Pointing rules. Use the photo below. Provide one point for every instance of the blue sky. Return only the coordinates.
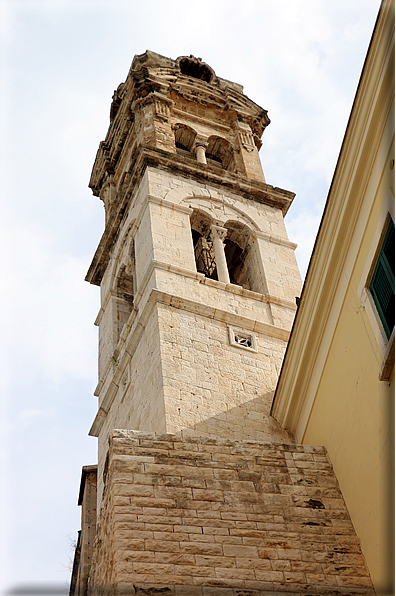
(61, 61)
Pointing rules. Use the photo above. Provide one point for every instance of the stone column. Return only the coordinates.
(200, 153)
(218, 235)
(200, 145)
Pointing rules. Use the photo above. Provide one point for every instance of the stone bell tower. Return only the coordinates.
(198, 278)
(199, 491)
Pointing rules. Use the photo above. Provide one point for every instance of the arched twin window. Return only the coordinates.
(240, 250)
(217, 150)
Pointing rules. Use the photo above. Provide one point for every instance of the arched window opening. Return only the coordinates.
(244, 260)
(184, 138)
(203, 246)
(124, 290)
(125, 286)
(219, 153)
(236, 248)
(235, 258)
(228, 253)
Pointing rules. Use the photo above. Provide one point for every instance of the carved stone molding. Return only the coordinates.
(247, 140)
(217, 232)
(162, 110)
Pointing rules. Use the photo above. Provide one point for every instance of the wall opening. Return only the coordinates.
(203, 246)
(244, 262)
(194, 67)
(184, 138)
(124, 292)
(242, 339)
(219, 153)
(241, 250)
(236, 248)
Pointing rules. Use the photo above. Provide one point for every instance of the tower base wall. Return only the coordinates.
(187, 515)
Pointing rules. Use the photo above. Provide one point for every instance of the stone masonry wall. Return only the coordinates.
(212, 386)
(200, 516)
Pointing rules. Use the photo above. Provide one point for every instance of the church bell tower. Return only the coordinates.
(198, 278)
(198, 491)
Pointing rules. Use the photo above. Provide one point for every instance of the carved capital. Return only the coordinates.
(200, 141)
(162, 104)
(218, 232)
(199, 148)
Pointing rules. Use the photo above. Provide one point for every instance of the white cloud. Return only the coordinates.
(303, 229)
(27, 417)
(49, 310)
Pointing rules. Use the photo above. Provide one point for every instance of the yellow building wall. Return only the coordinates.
(353, 414)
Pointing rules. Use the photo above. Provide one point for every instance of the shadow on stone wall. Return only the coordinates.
(250, 420)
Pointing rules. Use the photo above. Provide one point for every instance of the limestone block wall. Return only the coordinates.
(171, 230)
(248, 420)
(106, 334)
(84, 551)
(206, 376)
(139, 195)
(273, 255)
(138, 402)
(179, 368)
(193, 516)
(209, 293)
(172, 366)
(281, 271)
(144, 245)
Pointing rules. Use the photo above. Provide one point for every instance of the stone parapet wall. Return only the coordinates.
(204, 516)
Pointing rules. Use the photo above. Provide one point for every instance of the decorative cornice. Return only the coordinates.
(276, 239)
(189, 117)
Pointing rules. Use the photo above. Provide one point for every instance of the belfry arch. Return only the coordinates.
(244, 260)
(184, 138)
(236, 248)
(123, 287)
(204, 255)
(219, 152)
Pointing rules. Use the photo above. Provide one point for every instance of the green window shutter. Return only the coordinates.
(382, 286)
